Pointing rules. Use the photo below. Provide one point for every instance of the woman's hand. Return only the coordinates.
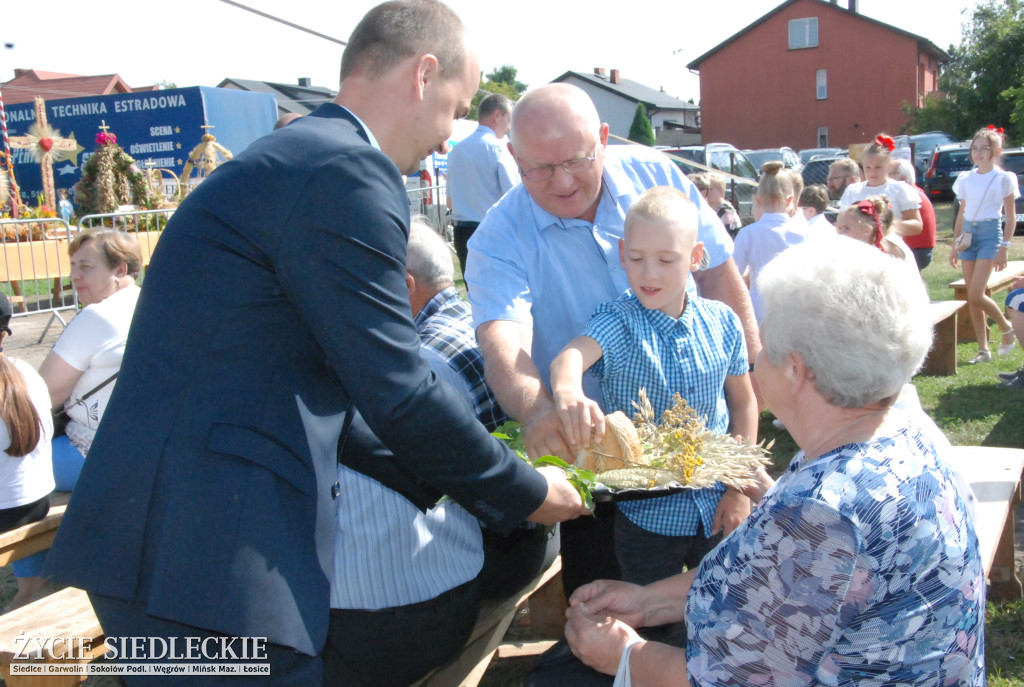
(598, 642)
(620, 600)
(953, 255)
(733, 508)
(999, 264)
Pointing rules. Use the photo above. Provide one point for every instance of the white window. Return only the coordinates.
(823, 137)
(803, 33)
(821, 84)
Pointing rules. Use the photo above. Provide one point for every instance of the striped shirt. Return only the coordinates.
(692, 356)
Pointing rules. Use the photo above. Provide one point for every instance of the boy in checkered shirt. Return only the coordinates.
(657, 337)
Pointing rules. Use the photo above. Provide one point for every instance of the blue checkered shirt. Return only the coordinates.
(445, 325)
(691, 356)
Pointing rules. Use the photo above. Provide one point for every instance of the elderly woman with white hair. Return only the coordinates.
(861, 564)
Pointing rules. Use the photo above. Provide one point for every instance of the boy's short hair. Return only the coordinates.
(814, 196)
(665, 203)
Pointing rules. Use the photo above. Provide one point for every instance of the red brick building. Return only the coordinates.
(812, 74)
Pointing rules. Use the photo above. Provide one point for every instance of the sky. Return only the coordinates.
(202, 42)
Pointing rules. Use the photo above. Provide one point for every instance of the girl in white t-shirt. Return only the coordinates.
(985, 193)
(906, 204)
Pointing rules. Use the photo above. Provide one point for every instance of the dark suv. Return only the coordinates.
(1013, 161)
(924, 145)
(947, 163)
(725, 158)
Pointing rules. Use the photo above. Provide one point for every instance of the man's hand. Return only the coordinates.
(542, 436)
(562, 502)
(733, 508)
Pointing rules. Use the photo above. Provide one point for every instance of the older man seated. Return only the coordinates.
(861, 564)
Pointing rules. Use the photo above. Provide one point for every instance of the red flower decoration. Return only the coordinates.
(886, 141)
(993, 128)
(102, 138)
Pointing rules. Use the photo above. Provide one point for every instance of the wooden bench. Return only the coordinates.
(994, 475)
(997, 282)
(62, 615)
(546, 598)
(941, 358)
(68, 613)
(35, 537)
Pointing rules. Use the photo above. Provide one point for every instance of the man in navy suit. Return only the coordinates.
(274, 308)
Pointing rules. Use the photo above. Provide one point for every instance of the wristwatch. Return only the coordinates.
(1004, 244)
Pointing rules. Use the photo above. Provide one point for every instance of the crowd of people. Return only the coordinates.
(315, 466)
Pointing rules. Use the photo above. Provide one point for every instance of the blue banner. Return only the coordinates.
(155, 127)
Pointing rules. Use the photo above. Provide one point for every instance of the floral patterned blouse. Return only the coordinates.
(858, 568)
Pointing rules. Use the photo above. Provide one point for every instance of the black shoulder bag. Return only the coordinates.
(60, 415)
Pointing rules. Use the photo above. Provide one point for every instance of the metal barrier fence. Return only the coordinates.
(34, 264)
(430, 201)
(146, 225)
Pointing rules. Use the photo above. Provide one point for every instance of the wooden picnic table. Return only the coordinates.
(997, 282)
(994, 475)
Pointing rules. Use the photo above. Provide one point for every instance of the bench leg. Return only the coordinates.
(1003, 582)
(941, 360)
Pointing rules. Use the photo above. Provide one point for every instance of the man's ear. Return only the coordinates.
(622, 252)
(603, 137)
(427, 70)
(410, 283)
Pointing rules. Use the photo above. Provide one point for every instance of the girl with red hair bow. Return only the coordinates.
(870, 221)
(986, 193)
(905, 202)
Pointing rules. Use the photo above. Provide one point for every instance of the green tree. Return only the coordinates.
(984, 78)
(501, 80)
(640, 130)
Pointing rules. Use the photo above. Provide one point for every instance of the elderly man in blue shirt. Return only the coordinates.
(546, 255)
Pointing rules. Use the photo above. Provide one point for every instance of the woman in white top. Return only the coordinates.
(78, 371)
(985, 193)
(26, 476)
(906, 206)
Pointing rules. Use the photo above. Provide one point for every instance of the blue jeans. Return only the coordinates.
(985, 242)
(67, 463)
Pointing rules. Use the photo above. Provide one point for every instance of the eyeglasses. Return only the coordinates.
(577, 165)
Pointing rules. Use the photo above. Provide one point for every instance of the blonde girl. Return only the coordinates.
(774, 231)
(906, 204)
(985, 193)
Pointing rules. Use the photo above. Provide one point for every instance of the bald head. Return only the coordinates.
(558, 141)
(552, 110)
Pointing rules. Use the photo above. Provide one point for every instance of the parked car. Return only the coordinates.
(787, 156)
(725, 158)
(1013, 161)
(946, 163)
(809, 154)
(816, 171)
(924, 145)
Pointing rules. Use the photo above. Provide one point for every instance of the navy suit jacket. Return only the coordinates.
(274, 305)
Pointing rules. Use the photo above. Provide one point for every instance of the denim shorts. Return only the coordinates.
(985, 243)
